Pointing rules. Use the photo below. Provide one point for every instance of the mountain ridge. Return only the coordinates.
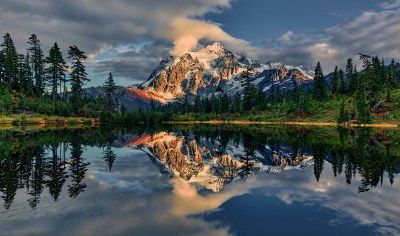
(202, 71)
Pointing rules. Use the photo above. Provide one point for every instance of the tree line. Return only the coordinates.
(47, 84)
(364, 88)
(33, 73)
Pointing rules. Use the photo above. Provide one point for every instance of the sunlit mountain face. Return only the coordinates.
(213, 68)
(200, 180)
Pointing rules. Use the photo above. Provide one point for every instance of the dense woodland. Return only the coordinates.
(35, 83)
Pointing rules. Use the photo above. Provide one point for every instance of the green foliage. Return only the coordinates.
(319, 91)
(335, 81)
(56, 70)
(344, 114)
(109, 87)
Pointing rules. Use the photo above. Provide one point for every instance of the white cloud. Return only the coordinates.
(391, 4)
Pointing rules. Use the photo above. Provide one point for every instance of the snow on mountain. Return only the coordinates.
(201, 72)
(205, 163)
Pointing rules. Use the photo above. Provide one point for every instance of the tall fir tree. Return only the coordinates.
(335, 81)
(2, 67)
(56, 69)
(37, 63)
(197, 107)
(78, 75)
(109, 87)
(362, 103)
(235, 105)
(225, 102)
(343, 82)
(319, 90)
(249, 93)
(350, 76)
(10, 78)
(391, 77)
(25, 74)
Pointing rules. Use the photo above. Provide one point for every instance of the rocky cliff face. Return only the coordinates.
(207, 164)
(201, 72)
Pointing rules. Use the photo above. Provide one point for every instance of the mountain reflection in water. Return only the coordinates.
(200, 176)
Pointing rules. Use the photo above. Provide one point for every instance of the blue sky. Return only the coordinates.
(130, 37)
(258, 20)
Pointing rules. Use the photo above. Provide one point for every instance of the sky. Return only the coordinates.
(130, 37)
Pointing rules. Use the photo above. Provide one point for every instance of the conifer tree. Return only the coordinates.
(362, 103)
(37, 63)
(197, 108)
(335, 81)
(25, 74)
(10, 62)
(249, 93)
(319, 91)
(225, 102)
(56, 69)
(78, 75)
(109, 87)
(344, 115)
(235, 105)
(391, 80)
(2, 67)
(349, 74)
(342, 83)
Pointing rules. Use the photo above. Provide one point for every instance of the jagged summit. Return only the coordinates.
(216, 48)
(202, 71)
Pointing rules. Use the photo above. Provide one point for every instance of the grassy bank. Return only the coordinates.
(244, 122)
(43, 120)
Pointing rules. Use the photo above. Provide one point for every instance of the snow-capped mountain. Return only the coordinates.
(205, 163)
(201, 72)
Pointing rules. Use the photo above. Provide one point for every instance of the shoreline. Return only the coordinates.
(299, 123)
(16, 121)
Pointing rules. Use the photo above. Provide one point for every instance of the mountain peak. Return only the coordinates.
(215, 48)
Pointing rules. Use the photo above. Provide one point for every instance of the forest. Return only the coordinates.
(35, 83)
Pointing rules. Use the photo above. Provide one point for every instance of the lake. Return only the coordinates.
(200, 180)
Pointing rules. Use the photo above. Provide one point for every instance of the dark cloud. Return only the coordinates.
(102, 26)
(96, 26)
(133, 64)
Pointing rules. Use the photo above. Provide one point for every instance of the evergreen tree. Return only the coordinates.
(109, 157)
(349, 73)
(235, 105)
(55, 172)
(225, 102)
(362, 103)
(78, 75)
(375, 79)
(56, 69)
(197, 108)
(343, 82)
(2, 67)
(335, 81)
(296, 96)
(109, 88)
(37, 63)
(25, 74)
(215, 105)
(344, 115)
(78, 168)
(391, 80)
(319, 91)
(249, 93)
(10, 63)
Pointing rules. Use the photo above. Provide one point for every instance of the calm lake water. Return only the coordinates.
(201, 180)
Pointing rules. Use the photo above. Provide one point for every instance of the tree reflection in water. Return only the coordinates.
(50, 159)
